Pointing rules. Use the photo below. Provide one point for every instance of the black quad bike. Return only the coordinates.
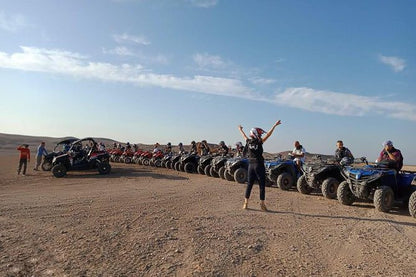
(236, 169)
(217, 167)
(380, 184)
(57, 150)
(187, 163)
(325, 175)
(82, 155)
(204, 161)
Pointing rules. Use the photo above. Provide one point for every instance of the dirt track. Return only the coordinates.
(143, 221)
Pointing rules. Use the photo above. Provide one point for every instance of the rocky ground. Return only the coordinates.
(143, 221)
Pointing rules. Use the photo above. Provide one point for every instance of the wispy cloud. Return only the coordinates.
(343, 104)
(396, 63)
(120, 51)
(261, 81)
(126, 38)
(210, 61)
(203, 3)
(12, 23)
(328, 102)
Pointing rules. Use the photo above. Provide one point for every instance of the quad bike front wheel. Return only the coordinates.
(59, 171)
(284, 181)
(190, 168)
(207, 170)
(344, 194)
(329, 187)
(383, 199)
(221, 172)
(302, 185)
(200, 170)
(228, 176)
(240, 175)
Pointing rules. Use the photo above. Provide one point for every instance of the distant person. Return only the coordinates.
(239, 149)
(299, 153)
(24, 158)
(343, 152)
(391, 155)
(193, 147)
(101, 147)
(181, 149)
(204, 148)
(39, 154)
(223, 149)
(168, 149)
(156, 148)
(256, 169)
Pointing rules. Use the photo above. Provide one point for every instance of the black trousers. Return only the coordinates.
(256, 171)
(22, 162)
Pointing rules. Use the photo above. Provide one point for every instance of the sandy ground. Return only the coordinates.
(143, 221)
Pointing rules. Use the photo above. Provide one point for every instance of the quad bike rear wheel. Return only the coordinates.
(46, 166)
(284, 181)
(104, 168)
(329, 187)
(207, 170)
(213, 173)
(302, 185)
(200, 170)
(59, 170)
(344, 194)
(127, 160)
(412, 204)
(383, 199)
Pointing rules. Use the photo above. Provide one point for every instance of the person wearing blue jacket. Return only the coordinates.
(39, 154)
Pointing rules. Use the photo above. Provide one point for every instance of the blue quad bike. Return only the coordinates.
(236, 169)
(324, 175)
(283, 172)
(380, 184)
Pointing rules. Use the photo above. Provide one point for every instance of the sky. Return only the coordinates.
(146, 71)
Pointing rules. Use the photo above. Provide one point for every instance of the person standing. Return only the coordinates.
(39, 154)
(256, 169)
(24, 158)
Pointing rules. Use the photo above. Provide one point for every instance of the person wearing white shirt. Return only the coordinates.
(299, 154)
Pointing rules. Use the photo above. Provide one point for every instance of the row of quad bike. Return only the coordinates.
(348, 181)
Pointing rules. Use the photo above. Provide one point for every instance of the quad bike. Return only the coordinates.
(380, 184)
(236, 169)
(115, 155)
(283, 172)
(79, 158)
(187, 163)
(145, 158)
(136, 156)
(325, 175)
(156, 159)
(204, 161)
(47, 160)
(217, 167)
(126, 157)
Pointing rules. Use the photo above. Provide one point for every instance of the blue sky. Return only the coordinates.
(162, 70)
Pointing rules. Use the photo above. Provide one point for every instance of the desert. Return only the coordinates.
(147, 221)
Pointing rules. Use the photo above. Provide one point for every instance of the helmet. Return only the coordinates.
(180, 144)
(256, 132)
(239, 144)
(128, 143)
(169, 144)
(222, 143)
(193, 142)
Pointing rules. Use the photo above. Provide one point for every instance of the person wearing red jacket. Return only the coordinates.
(24, 158)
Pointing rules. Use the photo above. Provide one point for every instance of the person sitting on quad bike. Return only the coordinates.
(101, 146)
(204, 148)
(299, 154)
(239, 149)
(391, 156)
(343, 152)
(156, 149)
(135, 148)
(223, 150)
(168, 149)
(181, 149)
(193, 148)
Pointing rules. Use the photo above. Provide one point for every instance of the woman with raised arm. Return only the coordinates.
(256, 169)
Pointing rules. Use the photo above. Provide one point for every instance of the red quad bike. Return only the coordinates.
(156, 159)
(115, 155)
(145, 158)
(126, 157)
(83, 155)
(136, 156)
